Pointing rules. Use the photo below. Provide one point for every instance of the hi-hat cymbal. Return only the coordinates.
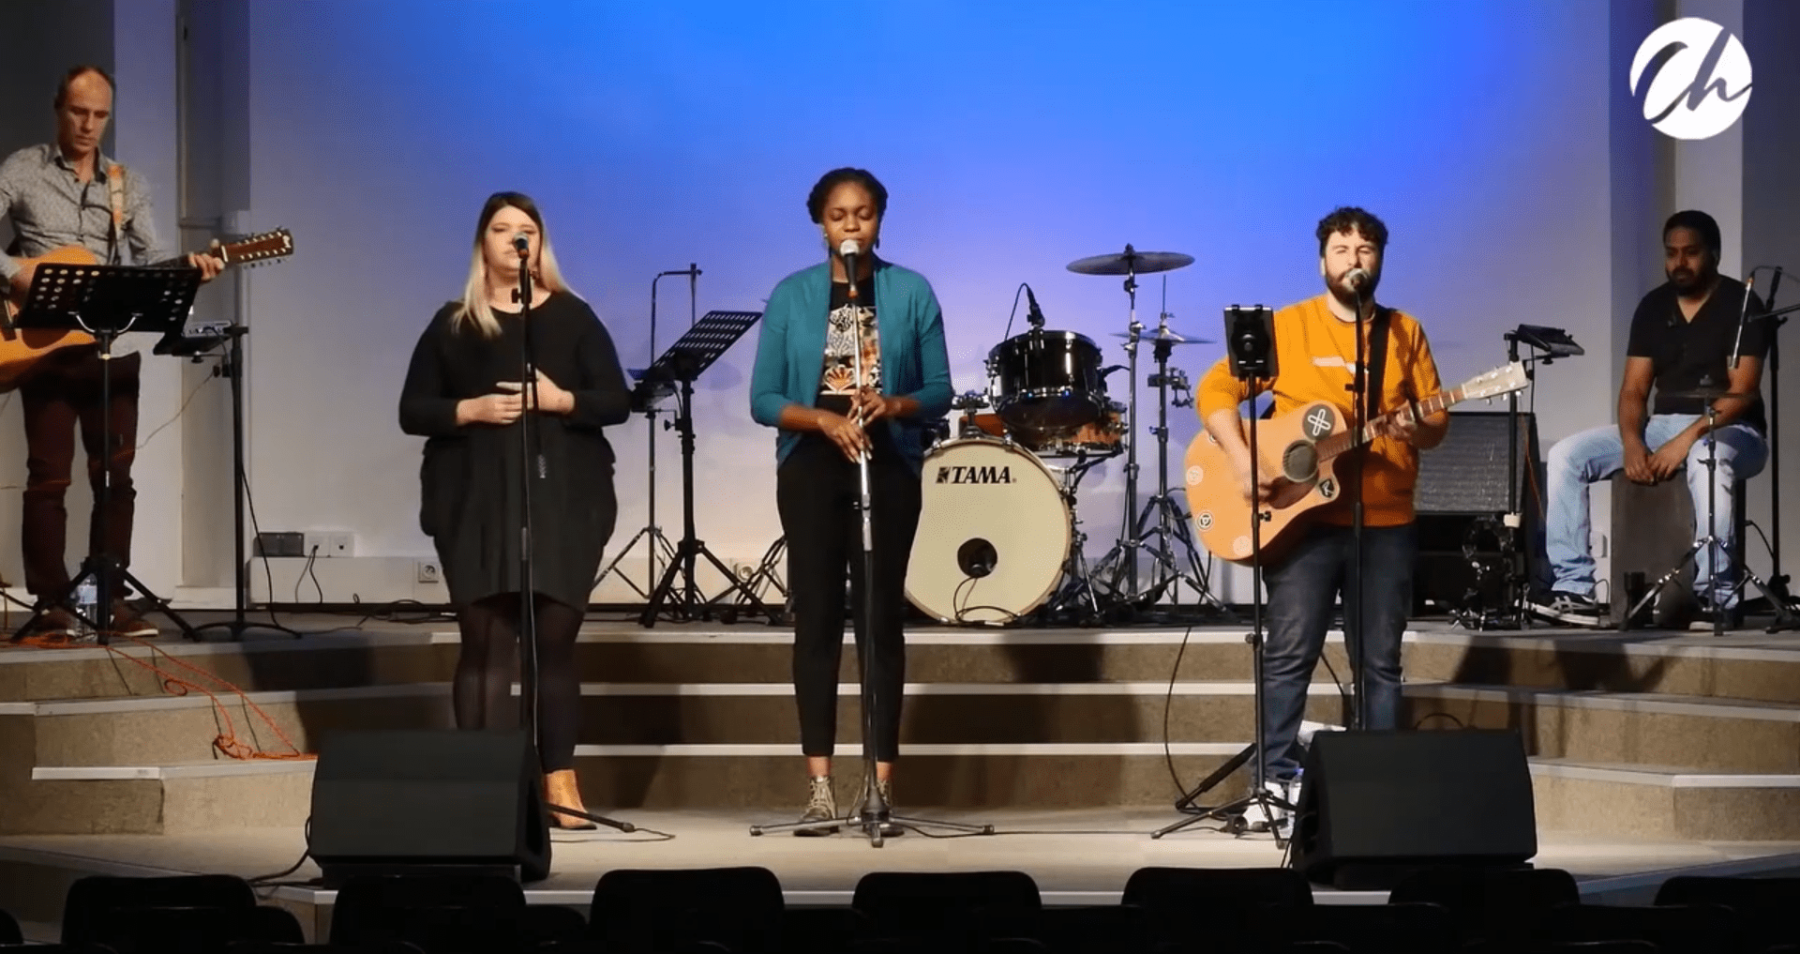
(1158, 334)
(1130, 262)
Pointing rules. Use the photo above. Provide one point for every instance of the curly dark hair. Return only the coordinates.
(815, 201)
(1349, 218)
(1701, 224)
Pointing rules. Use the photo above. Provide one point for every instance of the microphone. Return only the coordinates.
(521, 244)
(1737, 344)
(976, 558)
(1035, 317)
(848, 250)
(1356, 278)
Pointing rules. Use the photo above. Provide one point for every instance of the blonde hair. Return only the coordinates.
(474, 310)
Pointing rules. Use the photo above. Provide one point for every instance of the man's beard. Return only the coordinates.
(1690, 282)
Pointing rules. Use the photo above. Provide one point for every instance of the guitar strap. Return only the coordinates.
(1378, 351)
(115, 188)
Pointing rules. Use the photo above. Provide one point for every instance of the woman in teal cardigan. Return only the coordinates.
(805, 385)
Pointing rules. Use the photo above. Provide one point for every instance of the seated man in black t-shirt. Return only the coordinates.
(1682, 339)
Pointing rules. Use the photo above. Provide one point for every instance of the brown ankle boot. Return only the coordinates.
(561, 789)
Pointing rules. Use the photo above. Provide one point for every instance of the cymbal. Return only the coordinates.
(1711, 394)
(1172, 337)
(1130, 262)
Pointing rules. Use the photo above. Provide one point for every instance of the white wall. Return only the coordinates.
(702, 149)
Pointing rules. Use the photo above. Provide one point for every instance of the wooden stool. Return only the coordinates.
(1652, 526)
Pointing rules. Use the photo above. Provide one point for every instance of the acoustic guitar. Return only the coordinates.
(1301, 448)
(22, 348)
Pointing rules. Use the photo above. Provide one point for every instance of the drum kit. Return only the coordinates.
(998, 539)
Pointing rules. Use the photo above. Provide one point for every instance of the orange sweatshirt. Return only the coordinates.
(1315, 354)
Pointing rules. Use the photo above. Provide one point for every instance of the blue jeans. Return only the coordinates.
(1303, 589)
(1596, 454)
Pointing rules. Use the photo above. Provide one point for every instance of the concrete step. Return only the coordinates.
(1759, 669)
(1641, 728)
(619, 654)
(180, 729)
(1665, 802)
(230, 795)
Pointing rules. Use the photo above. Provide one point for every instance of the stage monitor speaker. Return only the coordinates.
(1467, 472)
(428, 801)
(1376, 806)
(1459, 499)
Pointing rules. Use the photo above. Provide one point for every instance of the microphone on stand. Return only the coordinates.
(848, 250)
(521, 244)
(1356, 278)
(1033, 316)
(1743, 315)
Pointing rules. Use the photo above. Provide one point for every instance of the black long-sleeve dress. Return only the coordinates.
(470, 480)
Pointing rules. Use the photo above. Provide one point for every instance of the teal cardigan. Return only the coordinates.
(790, 352)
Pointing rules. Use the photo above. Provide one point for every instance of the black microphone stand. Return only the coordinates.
(1249, 336)
(1364, 403)
(532, 466)
(1777, 585)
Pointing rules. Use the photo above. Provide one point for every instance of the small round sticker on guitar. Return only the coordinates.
(1195, 475)
(1204, 520)
(1241, 546)
(1319, 421)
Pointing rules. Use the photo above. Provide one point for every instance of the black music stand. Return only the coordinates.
(681, 365)
(106, 301)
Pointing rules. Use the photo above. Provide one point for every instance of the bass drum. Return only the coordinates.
(994, 533)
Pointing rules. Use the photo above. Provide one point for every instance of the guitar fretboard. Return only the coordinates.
(1339, 443)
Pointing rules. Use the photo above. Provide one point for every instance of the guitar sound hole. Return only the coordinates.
(1300, 462)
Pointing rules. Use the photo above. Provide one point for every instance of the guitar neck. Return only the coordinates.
(1356, 437)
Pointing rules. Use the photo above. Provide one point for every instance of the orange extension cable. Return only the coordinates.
(227, 742)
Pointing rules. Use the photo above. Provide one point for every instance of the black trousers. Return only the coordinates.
(817, 490)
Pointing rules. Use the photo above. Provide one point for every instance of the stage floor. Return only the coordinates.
(1077, 856)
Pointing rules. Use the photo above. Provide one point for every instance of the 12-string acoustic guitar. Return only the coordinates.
(1301, 448)
(22, 348)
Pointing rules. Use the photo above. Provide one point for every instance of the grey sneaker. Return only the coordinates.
(1571, 609)
(821, 805)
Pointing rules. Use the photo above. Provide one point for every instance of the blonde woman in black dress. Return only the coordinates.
(463, 395)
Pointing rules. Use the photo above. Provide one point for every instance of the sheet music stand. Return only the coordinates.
(681, 365)
(106, 301)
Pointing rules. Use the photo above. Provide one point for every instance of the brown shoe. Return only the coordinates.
(55, 623)
(127, 622)
(560, 789)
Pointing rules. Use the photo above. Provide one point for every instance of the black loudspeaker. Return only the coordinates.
(1376, 806)
(1459, 499)
(428, 801)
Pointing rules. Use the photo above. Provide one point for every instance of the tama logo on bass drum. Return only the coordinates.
(958, 474)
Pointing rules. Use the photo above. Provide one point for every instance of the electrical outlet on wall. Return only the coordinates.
(430, 572)
(324, 544)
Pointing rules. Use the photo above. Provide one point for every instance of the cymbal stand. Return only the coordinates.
(1121, 560)
(1172, 523)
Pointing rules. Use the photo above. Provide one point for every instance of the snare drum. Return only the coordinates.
(994, 533)
(1047, 382)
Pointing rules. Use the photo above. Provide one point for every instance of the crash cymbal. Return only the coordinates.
(1130, 261)
(1710, 394)
(1172, 337)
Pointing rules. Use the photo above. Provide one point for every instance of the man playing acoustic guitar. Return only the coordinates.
(1315, 353)
(59, 195)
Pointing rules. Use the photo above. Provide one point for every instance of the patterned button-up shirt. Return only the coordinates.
(50, 208)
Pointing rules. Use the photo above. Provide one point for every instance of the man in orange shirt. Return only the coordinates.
(1315, 353)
